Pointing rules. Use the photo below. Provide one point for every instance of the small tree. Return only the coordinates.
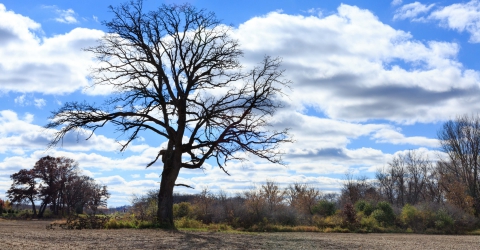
(273, 195)
(23, 188)
(176, 73)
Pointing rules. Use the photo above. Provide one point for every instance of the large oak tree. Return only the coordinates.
(176, 72)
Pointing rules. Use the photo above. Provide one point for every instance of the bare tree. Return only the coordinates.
(460, 140)
(302, 197)
(409, 178)
(273, 195)
(176, 73)
(355, 189)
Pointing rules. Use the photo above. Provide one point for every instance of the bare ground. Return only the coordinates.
(34, 235)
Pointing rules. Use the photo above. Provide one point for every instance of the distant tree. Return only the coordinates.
(56, 182)
(409, 178)
(84, 191)
(176, 73)
(460, 140)
(53, 173)
(273, 195)
(302, 197)
(23, 188)
(96, 196)
(355, 189)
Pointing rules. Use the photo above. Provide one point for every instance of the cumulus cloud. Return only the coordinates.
(23, 57)
(461, 17)
(412, 11)
(351, 66)
(20, 134)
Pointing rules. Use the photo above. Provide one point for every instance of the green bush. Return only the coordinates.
(365, 207)
(444, 221)
(324, 208)
(369, 223)
(409, 216)
(182, 209)
(380, 216)
(186, 222)
(389, 215)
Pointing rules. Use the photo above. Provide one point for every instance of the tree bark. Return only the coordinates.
(170, 173)
(33, 207)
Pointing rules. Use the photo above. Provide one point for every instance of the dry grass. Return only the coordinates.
(33, 235)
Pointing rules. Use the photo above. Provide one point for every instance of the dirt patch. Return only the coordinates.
(34, 235)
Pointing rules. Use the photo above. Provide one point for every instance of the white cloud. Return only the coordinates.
(152, 176)
(42, 64)
(351, 66)
(411, 11)
(315, 11)
(66, 16)
(461, 17)
(20, 100)
(39, 103)
(395, 137)
(63, 16)
(23, 100)
(396, 2)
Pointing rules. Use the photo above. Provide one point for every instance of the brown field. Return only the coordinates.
(34, 235)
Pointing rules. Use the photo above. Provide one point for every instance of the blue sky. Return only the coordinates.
(370, 79)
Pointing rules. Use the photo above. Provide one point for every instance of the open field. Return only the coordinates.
(34, 235)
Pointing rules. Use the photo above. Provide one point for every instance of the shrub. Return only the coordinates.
(286, 216)
(349, 215)
(369, 223)
(182, 209)
(389, 215)
(324, 208)
(443, 221)
(380, 216)
(186, 222)
(409, 216)
(365, 207)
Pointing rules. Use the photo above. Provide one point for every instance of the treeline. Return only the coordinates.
(411, 193)
(57, 183)
(301, 207)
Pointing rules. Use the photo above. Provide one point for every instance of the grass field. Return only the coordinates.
(34, 235)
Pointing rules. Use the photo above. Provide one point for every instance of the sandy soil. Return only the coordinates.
(34, 235)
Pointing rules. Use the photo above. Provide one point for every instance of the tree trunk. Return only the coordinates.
(165, 195)
(41, 210)
(34, 208)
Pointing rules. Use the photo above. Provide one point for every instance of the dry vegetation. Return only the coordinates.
(18, 234)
